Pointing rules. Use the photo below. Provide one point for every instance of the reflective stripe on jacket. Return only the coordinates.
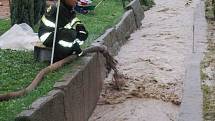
(67, 22)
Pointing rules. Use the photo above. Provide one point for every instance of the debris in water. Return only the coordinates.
(135, 88)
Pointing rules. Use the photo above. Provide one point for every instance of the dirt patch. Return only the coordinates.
(148, 87)
(4, 9)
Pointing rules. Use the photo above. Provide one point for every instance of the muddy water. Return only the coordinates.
(153, 62)
(136, 110)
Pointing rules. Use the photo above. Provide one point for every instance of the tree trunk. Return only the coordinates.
(27, 11)
(39, 9)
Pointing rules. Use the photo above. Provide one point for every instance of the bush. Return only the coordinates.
(147, 3)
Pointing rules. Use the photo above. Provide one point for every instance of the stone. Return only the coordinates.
(138, 11)
(42, 53)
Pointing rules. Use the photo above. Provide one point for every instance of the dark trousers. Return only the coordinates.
(60, 51)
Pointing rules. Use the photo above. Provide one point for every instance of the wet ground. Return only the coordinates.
(137, 110)
(153, 62)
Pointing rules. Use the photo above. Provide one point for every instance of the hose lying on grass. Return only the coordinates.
(110, 62)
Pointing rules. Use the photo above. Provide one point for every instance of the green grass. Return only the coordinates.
(24, 63)
(18, 68)
(4, 26)
(104, 17)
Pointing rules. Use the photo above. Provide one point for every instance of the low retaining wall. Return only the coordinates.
(138, 11)
(75, 97)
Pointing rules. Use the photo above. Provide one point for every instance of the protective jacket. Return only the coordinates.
(71, 33)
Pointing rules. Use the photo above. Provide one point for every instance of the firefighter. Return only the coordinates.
(71, 32)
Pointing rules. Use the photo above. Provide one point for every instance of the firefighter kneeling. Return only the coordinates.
(71, 33)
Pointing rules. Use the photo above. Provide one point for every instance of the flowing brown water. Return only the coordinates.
(153, 62)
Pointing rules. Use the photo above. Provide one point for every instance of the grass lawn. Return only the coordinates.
(18, 68)
(4, 26)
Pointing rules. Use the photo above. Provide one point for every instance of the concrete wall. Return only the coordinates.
(75, 96)
(138, 11)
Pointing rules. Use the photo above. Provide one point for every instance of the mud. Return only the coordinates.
(148, 87)
(153, 65)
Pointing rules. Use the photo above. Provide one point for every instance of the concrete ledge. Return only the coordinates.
(75, 96)
(115, 37)
(138, 11)
(48, 108)
(82, 88)
(125, 27)
(192, 102)
(109, 38)
(191, 107)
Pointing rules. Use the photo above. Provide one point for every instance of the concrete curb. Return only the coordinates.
(138, 11)
(75, 97)
(192, 103)
(52, 104)
(191, 107)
